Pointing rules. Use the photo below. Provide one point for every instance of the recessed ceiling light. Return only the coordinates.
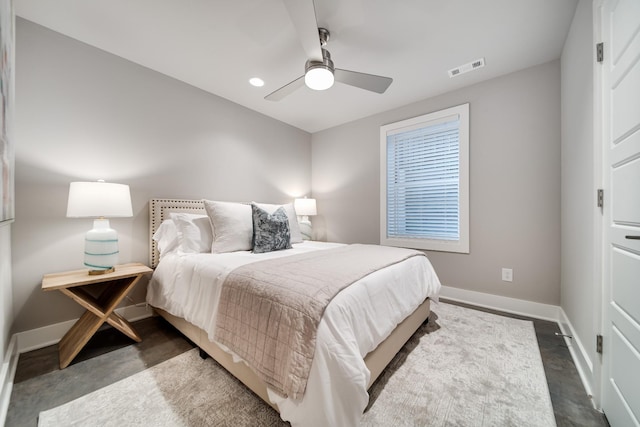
(255, 81)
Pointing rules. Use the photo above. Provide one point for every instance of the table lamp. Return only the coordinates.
(304, 209)
(99, 200)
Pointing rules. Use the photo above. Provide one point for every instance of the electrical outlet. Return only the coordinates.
(507, 274)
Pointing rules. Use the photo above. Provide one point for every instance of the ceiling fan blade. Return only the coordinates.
(285, 90)
(303, 16)
(378, 84)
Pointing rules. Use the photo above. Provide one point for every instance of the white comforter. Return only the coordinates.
(354, 323)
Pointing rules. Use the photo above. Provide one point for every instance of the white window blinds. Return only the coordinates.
(423, 174)
(424, 181)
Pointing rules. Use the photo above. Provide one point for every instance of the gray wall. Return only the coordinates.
(83, 114)
(514, 184)
(580, 288)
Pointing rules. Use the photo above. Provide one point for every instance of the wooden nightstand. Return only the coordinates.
(99, 309)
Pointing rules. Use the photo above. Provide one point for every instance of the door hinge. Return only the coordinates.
(600, 198)
(600, 52)
(599, 344)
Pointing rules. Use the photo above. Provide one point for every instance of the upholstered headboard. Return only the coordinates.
(159, 210)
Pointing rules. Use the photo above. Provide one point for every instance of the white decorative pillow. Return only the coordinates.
(166, 237)
(231, 224)
(194, 232)
(294, 227)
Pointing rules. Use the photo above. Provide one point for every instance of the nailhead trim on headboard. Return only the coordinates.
(159, 210)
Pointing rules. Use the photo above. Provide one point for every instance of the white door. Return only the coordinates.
(621, 176)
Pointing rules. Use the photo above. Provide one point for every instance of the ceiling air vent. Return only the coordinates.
(478, 63)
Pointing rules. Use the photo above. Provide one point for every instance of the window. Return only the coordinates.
(424, 169)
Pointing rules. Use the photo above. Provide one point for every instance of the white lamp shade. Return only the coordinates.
(98, 200)
(305, 207)
(319, 78)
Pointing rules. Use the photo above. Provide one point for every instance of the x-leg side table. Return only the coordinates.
(98, 310)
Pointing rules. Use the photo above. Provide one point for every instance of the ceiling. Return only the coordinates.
(218, 45)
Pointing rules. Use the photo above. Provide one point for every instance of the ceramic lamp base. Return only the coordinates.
(305, 229)
(101, 247)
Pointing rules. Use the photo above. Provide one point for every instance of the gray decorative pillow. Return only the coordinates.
(270, 231)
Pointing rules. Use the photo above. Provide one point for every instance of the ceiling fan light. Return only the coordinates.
(319, 78)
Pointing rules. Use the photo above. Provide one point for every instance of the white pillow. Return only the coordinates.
(194, 232)
(294, 227)
(166, 237)
(232, 226)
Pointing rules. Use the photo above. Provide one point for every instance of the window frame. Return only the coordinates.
(457, 246)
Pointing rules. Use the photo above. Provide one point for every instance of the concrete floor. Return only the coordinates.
(109, 356)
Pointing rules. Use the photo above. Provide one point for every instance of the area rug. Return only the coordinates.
(462, 368)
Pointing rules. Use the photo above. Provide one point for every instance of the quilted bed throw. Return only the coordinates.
(269, 310)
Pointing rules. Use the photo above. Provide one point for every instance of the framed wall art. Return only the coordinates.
(7, 156)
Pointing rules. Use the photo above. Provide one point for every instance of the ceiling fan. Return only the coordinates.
(319, 70)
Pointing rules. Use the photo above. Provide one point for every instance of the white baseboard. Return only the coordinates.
(51, 334)
(496, 302)
(579, 354)
(7, 373)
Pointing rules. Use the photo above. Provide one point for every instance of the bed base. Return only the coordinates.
(376, 360)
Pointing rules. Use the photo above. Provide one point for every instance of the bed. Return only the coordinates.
(349, 355)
